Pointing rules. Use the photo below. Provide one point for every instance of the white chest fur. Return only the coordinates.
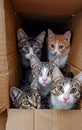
(63, 57)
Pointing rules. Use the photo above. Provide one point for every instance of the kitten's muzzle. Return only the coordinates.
(65, 99)
(44, 79)
(35, 105)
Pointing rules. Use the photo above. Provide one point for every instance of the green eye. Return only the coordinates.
(26, 102)
(73, 91)
(60, 88)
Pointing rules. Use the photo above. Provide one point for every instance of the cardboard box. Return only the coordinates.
(10, 68)
(3, 119)
(44, 120)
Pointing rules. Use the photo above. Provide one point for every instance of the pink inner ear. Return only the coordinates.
(41, 36)
(67, 36)
(21, 34)
(50, 34)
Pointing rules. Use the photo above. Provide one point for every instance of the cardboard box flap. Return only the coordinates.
(19, 119)
(47, 7)
(22, 119)
(58, 120)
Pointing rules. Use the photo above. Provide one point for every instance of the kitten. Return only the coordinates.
(29, 99)
(65, 92)
(59, 45)
(42, 74)
(29, 45)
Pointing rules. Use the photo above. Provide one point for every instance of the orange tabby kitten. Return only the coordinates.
(59, 45)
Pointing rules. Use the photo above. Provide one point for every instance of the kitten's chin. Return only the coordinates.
(44, 84)
(67, 103)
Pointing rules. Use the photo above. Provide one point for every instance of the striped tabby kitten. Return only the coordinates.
(42, 74)
(29, 45)
(59, 45)
(65, 92)
(29, 99)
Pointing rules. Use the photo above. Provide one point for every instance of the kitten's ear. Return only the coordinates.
(21, 34)
(34, 61)
(67, 36)
(79, 77)
(57, 74)
(40, 37)
(50, 34)
(15, 93)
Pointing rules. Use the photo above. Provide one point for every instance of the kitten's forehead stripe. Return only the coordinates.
(23, 40)
(67, 87)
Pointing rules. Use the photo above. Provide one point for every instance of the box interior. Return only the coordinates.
(34, 20)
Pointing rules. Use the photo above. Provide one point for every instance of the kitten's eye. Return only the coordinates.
(26, 102)
(49, 73)
(52, 45)
(60, 88)
(25, 49)
(73, 91)
(60, 47)
(39, 72)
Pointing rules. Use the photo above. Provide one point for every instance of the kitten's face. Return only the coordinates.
(42, 71)
(58, 44)
(25, 100)
(28, 46)
(67, 91)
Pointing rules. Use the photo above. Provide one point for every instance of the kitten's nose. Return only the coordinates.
(44, 79)
(55, 53)
(35, 105)
(65, 99)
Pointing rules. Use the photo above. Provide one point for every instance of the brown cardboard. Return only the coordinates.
(44, 120)
(3, 118)
(47, 8)
(4, 97)
(10, 66)
(75, 57)
(20, 119)
(58, 120)
(9, 62)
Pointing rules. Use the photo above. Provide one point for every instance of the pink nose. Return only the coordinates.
(44, 79)
(65, 99)
(55, 53)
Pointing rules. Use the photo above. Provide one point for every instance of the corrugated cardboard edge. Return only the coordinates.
(8, 27)
(4, 103)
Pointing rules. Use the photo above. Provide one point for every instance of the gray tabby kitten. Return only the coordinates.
(29, 45)
(65, 92)
(26, 46)
(29, 99)
(42, 74)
